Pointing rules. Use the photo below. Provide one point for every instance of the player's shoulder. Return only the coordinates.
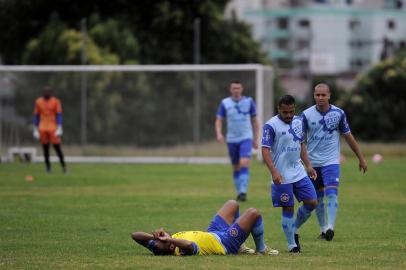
(309, 110)
(272, 121)
(336, 108)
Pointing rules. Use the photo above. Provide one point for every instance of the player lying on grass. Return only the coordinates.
(225, 235)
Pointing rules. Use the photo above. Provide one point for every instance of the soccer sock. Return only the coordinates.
(60, 154)
(288, 226)
(244, 179)
(332, 208)
(45, 147)
(302, 215)
(258, 234)
(321, 211)
(236, 178)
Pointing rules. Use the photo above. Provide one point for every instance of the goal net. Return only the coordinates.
(133, 111)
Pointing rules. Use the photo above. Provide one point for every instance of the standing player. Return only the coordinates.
(242, 134)
(285, 154)
(323, 124)
(47, 122)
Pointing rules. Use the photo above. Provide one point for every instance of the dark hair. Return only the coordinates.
(287, 100)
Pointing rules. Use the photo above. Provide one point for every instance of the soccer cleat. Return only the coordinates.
(329, 234)
(245, 250)
(242, 197)
(295, 250)
(267, 251)
(322, 236)
(297, 241)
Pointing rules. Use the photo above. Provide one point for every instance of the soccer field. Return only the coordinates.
(84, 219)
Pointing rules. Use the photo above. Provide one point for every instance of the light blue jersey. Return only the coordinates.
(238, 114)
(284, 141)
(323, 134)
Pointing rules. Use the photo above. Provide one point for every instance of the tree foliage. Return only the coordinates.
(377, 106)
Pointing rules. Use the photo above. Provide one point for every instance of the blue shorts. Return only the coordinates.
(231, 236)
(282, 195)
(327, 176)
(239, 150)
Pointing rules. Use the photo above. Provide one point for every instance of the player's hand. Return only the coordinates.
(220, 138)
(164, 238)
(35, 133)
(255, 144)
(276, 178)
(363, 166)
(312, 173)
(58, 131)
(158, 233)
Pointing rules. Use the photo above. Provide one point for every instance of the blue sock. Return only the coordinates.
(288, 226)
(302, 215)
(244, 180)
(321, 211)
(258, 235)
(236, 178)
(332, 209)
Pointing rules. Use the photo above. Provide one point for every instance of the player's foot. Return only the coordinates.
(295, 250)
(245, 250)
(322, 236)
(268, 251)
(242, 197)
(297, 241)
(329, 234)
(65, 170)
(48, 170)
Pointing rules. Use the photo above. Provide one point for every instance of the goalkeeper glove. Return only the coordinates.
(35, 133)
(59, 131)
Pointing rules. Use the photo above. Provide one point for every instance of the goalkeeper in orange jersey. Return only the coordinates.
(47, 122)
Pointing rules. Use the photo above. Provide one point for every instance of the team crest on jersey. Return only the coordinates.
(233, 232)
(331, 120)
(296, 129)
(284, 197)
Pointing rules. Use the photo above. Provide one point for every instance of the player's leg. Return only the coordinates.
(244, 161)
(56, 142)
(59, 152)
(331, 182)
(282, 196)
(320, 208)
(45, 140)
(233, 151)
(304, 192)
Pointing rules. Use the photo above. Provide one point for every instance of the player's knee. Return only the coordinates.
(253, 213)
(232, 204)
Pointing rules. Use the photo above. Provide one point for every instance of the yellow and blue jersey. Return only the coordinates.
(204, 243)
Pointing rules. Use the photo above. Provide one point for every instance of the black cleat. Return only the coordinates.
(242, 197)
(297, 241)
(322, 236)
(295, 250)
(329, 235)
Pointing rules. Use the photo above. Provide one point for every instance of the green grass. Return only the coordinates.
(83, 220)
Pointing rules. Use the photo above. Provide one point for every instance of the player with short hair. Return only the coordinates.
(323, 124)
(47, 122)
(225, 234)
(284, 153)
(242, 134)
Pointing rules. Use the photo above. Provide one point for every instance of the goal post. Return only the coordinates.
(130, 110)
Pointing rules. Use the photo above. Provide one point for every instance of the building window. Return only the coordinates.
(303, 44)
(304, 23)
(283, 23)
(391, 24)
(353, 24)
(282, 43)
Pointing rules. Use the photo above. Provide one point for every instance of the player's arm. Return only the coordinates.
(142, 238)
(305, 158)
(266, 155)
(218, 125)
(59, 130)
(35, 121)
(352, 143)
(255, 130)
(186, 247)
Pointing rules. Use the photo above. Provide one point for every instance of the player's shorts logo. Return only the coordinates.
(233, 232)
(284, 197)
